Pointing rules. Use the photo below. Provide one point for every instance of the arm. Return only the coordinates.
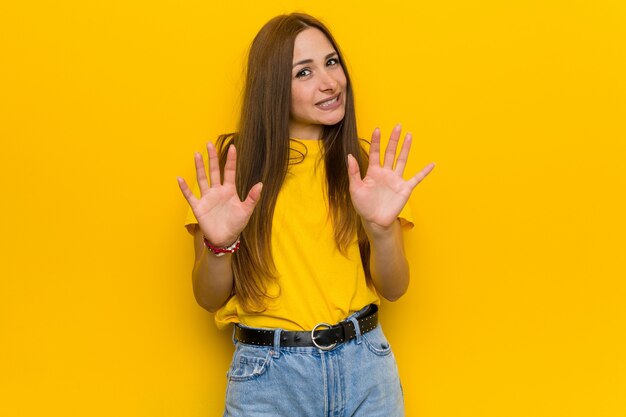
(221, 216)
(378, 199)
(388, 264)
(212, 276)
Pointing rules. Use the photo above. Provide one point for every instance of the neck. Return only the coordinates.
(305, 132)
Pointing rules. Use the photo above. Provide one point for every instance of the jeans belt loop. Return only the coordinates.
(357, 329)
(234, 337)
(277, 333)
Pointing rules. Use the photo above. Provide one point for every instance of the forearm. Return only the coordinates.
(388, 264)
(212, 276)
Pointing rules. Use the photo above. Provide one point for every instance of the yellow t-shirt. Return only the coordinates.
(316, 283)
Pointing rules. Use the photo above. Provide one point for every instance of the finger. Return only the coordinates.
(417, 178)
(231, 165)
(375, 149)
(390, 151)
(191, 199)
(201, 174)
(354, 173)
(404, 154)
(214, 165)
(253, 197)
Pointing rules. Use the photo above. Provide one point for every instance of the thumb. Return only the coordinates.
(187, 193)
(254, 195)
(354, 173)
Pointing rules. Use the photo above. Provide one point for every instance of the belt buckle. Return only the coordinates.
(329, 347)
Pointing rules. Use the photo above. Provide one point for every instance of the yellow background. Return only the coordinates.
(517, 301)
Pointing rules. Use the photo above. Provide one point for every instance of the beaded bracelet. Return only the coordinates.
(221, 251)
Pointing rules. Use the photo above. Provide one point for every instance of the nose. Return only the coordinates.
(327, 82)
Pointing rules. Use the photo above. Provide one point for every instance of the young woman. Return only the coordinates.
(293, 246)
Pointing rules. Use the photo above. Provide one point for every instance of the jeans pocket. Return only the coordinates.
(249, 362)
(376, 342)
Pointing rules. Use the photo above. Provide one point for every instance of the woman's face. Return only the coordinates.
(318, 85)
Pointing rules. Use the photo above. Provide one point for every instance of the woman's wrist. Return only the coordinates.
(222, 250)
(374, 231)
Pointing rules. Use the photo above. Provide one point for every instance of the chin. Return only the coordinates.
(331, 121)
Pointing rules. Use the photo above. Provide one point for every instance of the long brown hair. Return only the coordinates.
(262, 143)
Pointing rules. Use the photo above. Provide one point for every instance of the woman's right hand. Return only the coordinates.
(221, 214)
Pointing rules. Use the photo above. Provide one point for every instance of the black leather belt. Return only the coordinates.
(323, 336)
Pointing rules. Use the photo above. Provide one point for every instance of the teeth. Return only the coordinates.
(329, 102)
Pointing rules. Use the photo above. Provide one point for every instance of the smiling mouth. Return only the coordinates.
(328, 103)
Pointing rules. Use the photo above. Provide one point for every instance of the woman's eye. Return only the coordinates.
(332, 61)
(303, 73)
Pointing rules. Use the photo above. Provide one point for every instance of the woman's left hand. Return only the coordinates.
(380, 196)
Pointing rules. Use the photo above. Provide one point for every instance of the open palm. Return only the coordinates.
(221, 214)
(380, 196)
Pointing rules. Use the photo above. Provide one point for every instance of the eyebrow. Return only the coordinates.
(308, 61)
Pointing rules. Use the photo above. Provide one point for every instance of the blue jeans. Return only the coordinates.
(357, 378)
